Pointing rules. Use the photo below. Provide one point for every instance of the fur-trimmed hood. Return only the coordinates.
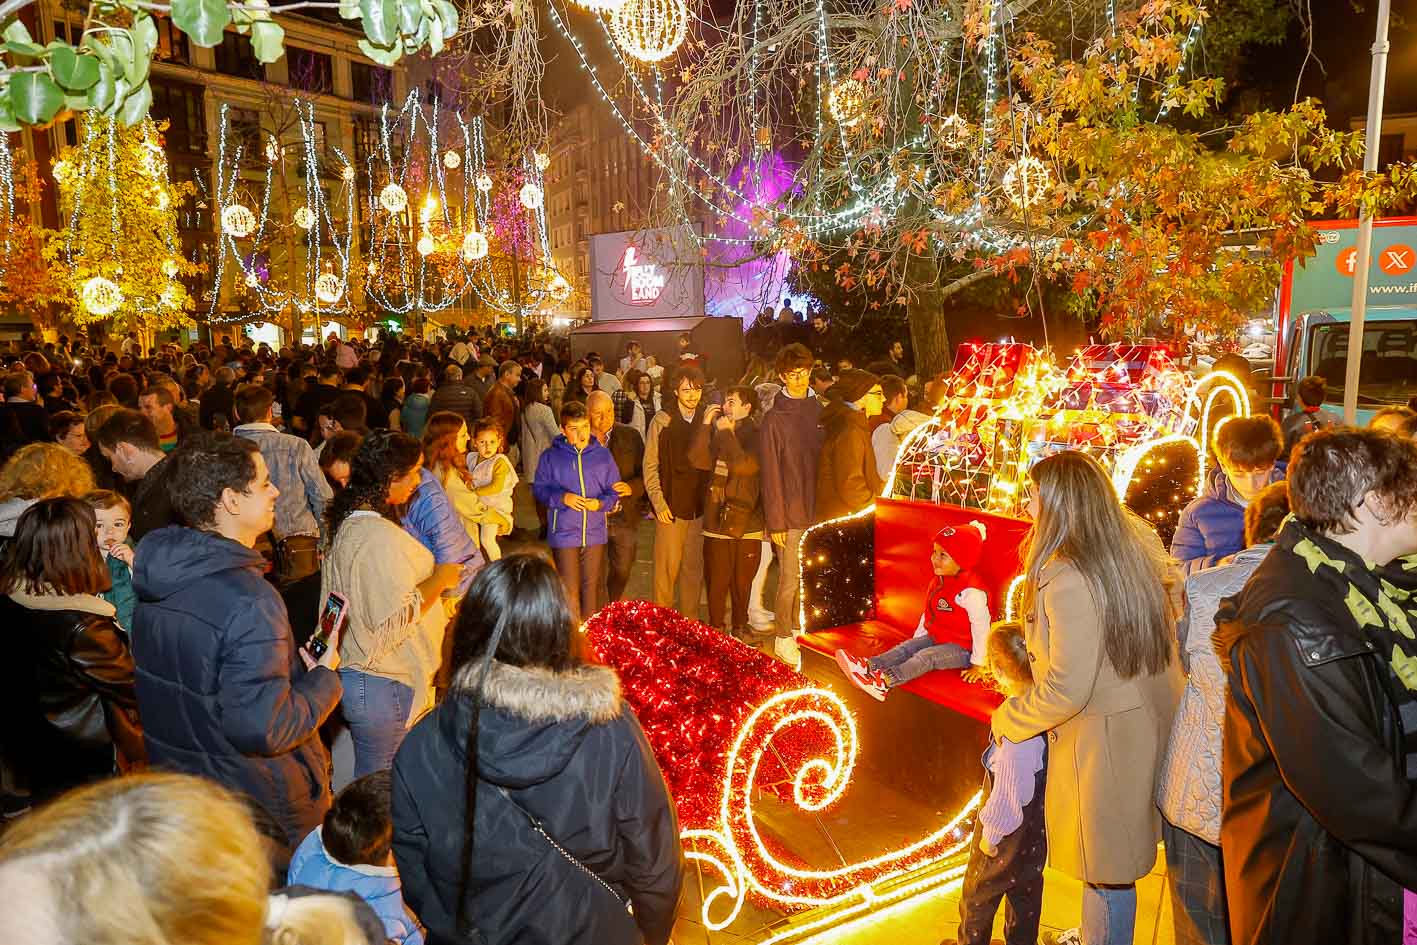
(535, 694)
(532, 719)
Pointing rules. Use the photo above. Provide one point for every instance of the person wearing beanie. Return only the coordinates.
(953, 632)
(847, 480)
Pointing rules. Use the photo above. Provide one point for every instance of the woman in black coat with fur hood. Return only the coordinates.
(527, 806)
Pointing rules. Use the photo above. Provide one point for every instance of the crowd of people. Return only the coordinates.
(269, 592)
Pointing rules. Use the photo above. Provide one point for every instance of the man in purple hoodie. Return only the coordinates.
(791, 443)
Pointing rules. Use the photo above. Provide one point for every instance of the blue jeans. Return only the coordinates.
(918, 656)
(376, 710)
(1109, 914)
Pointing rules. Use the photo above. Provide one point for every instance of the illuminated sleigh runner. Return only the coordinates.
(736, 732)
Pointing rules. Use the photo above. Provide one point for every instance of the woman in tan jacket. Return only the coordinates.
(1098, 620)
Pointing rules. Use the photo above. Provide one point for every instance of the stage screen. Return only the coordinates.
(646, 274)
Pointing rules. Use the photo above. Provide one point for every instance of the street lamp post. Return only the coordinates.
(1372, 136)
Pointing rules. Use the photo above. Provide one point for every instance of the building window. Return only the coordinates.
(373, 85)
(244, 131)
(366, 142)
(310, 71)
(236, 57)
(433, 91)
(171, 43)
(182, 107)
(1389, 149)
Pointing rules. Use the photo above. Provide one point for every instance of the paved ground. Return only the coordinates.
(872, 818)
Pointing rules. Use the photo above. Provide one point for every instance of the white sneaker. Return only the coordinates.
(869, 681)
(761, 619)
(787, 650)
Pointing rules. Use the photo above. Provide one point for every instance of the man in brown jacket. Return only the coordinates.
(846, 476)
(501, 403)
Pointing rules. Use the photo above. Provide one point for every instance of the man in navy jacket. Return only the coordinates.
(791, 444)
(222, 691)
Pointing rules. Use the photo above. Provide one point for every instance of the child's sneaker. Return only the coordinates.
(872, 682)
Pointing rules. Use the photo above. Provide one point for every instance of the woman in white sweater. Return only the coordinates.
(391, 646)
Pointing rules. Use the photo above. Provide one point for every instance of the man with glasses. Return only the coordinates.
(791, 445)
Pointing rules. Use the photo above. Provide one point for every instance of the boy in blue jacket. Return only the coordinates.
(578, 482)
(1212, 527)
(352, 852)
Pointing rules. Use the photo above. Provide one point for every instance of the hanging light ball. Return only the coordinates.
(237, 221)
(452, 160)
(252, 280)
(484, 183)
(426, 245)
(560, 288)
(305, 218)
(847, 102)
(101, 296)
(328, 288)
(371, 269)
(600, 6)
(650, 30)
(953, 132)
(474, 246)
(393, 198)
(1027, 182)
(531, 196)
(170, 268)
(542, 160)
(63, 173)
(150, 158)
(348, 172)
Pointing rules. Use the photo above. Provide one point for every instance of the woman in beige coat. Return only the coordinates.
(1098, 620)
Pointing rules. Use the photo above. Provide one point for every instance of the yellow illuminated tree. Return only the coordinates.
(118, 249)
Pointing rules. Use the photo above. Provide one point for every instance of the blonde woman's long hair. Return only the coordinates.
(147, 859)
(1081, 521)
(313, 920)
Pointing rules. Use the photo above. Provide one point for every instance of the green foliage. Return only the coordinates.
(107, 70)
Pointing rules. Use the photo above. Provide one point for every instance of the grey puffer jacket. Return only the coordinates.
(1188, 789)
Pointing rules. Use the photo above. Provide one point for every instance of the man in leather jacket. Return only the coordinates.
(1319, 823)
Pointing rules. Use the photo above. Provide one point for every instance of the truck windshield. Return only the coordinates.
(1388, 373)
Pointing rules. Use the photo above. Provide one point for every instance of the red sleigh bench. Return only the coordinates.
(864, 581)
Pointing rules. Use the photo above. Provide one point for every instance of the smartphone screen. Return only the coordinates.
(332, 619)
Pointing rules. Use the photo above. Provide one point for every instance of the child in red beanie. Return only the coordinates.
(953, 630)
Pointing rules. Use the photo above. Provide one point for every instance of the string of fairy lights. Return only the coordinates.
(318, 286)
(7, 200)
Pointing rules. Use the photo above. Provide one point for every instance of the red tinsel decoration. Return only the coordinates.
(692, 687)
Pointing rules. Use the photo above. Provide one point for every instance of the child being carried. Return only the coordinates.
(953, 630)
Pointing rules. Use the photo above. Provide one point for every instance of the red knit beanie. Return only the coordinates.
(963, 543)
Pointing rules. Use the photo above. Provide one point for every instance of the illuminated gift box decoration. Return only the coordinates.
(1009, 405)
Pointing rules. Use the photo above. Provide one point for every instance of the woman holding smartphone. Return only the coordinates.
(392, 640)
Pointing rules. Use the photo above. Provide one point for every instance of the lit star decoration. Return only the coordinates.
(728, 723)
